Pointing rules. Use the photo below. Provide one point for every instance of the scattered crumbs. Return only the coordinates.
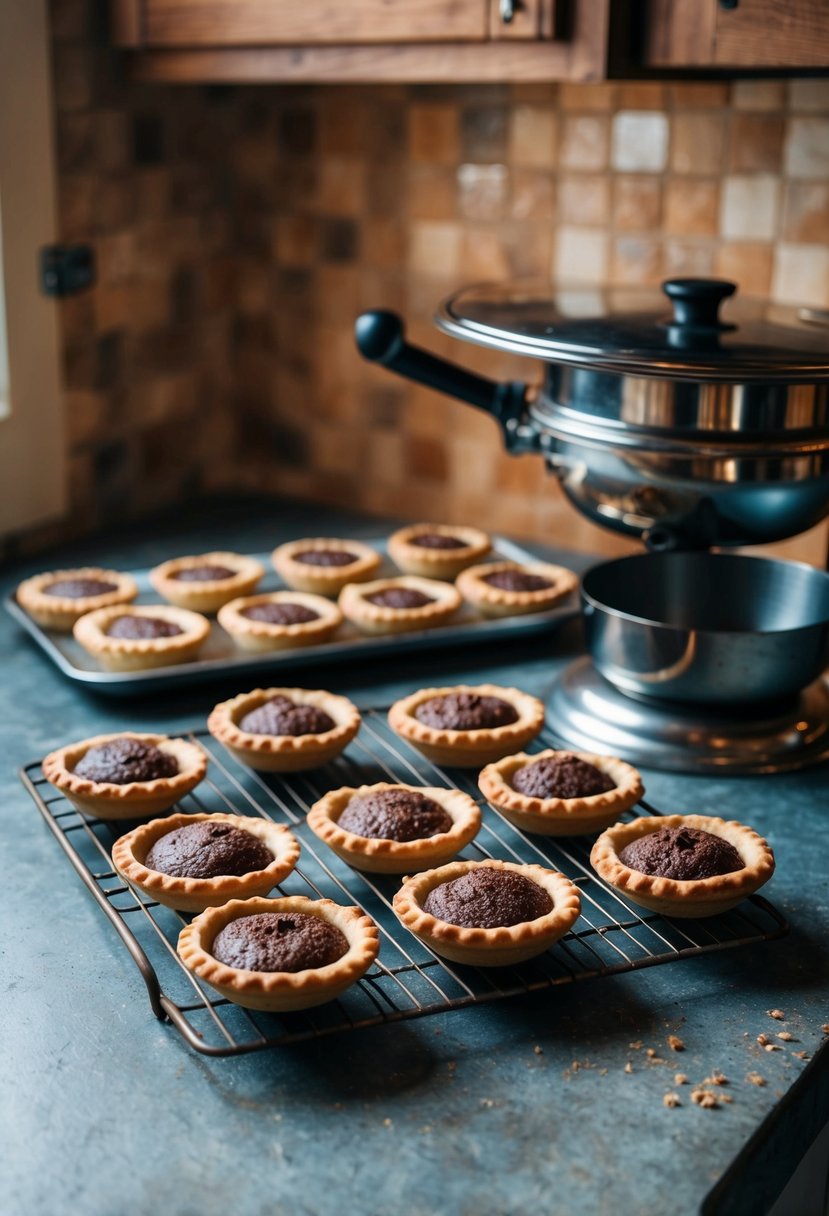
(777, 1014)
(651, 1051)
(729, 1098)
(628, 1067)
(451, 1065)
(671, 1100)
(786, 1037)
(825, 1028)
(539, 1051)
(338, 1106)
(387, 1122)
(653, 1058)
(575, 1066)
(801, 1055)
(675, 1043)
(773, 1047)
(763, 1040)
(426, 1130)
(603, 1071)
(680, 1079)
(754, 1078)
(637, 1045)
(487, 1102)
(716, 1078)
(704, 1098)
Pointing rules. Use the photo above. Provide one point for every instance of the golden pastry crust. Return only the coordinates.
(499, 601)
(284, 753)
(324, 580)
(280, 990)
(444, 599)
(468, 748)
(561, 816)
(382, 856)
(60, 612)
(437, 563)
(195, 894)
(684, 898)
(135, 654)
(498, 947)
(206, 595)
(262, 636)
(134, 799)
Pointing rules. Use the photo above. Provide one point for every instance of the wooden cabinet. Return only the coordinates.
(746, 34)
(364, 40)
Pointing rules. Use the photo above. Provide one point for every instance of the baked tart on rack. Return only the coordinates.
(395, 829)
(125, 775)
(561, 793)
(437, 550)
(499, 589)
(683, 865)
(322, 565)
(399, 605)
(285, 730)
(193, 862)
(280, 954)
(467, 725)
(137, 637)
(488, 913)
(280, 620)
(58, 598)
(206, 582)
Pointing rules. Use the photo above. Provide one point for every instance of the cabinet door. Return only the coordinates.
(228, 23)
(749, 34)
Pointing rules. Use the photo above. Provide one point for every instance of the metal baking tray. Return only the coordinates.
(220, 657)
(611, 936)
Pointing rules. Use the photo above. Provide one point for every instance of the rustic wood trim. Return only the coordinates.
(126, 22)
(679, 33)
(525, 24)
(765, 34)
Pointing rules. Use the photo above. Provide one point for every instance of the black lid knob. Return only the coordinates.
(697, 302)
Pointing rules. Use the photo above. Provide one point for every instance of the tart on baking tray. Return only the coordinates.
(323, 565)
(285, 729)
(399, 605)
(206, 582)
(58, 598)
(437, 550)
(499, 589)
(134, 638)
(279, 620)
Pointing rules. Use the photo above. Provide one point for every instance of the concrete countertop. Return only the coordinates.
(547, 1103)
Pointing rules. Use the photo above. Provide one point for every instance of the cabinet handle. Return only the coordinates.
(507, 10)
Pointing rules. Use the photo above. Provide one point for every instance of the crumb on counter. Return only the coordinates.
(675, 1043)
(777, 1014)
(754, 1078)
(671, 1099)
(705, 1099)
(680, 1079)
(786, 1036)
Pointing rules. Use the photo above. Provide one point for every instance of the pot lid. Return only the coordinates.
(640, 332)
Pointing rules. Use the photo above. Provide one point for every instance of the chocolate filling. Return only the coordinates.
(205, 850)
(399, 597)
(203, 574)
(400, 815)
(279, 941)
(486, 898)
(561, 777)
(137, 627)
(282, 716)
(280, 613)
(517, 580)
(433, 540)
(325, 557)
(465, 711)
(123, 760)
(79, 588)
(684, 853)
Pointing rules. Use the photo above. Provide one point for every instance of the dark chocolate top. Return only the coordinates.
(562, 776)
(400, 815)
(399, 597)
(136, 627)
(434, 540)
(279, 941)
(123, 760)
(486, 898)
(326, 557)
(684, 853)
(79, 588)
(282, 716)
(203, 574)
(465, 711)
(206, 850)
(280, 612)
(517, 580)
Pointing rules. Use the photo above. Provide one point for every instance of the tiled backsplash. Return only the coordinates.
(238, 231)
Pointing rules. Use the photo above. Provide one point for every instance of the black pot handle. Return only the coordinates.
(381, 338)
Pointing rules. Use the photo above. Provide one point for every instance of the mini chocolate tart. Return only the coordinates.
(280, 960)
(500, 589)
(395, 829)
(125, 775)
(60, 597)
(131, 638)
(285, 729)
(561, 793)
(323, 565)
(193, 862)
(204, 583)
(695, 846)
(437, 550)
(399, 605)
(488, 913)
(467, 726)
(281, 620)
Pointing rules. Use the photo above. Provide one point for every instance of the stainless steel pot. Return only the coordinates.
(684, 429)
(707, 628)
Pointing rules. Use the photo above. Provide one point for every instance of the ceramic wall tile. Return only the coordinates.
(640, 141)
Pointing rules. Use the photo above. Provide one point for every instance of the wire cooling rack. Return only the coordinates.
(407, 980)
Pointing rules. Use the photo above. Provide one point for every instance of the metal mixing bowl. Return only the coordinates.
(709, 628)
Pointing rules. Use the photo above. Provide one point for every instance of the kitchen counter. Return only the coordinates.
(539, 1104)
